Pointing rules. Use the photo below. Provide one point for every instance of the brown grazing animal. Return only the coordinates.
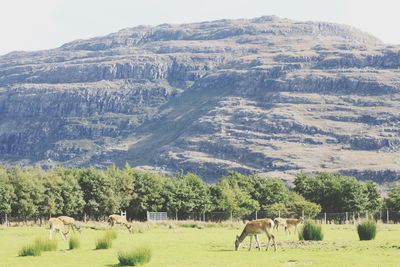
(118, 219)
(279, 221)
(58, 226)
(253, 228)
(293, 222)
(70, 222)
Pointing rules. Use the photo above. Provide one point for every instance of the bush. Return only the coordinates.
(74, 242)
(111, 234)
(45, 244)
(29, 250)
(366, 230)
(311, 231)
(104, 242)
(135, 257)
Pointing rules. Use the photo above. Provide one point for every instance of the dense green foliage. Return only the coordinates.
(366, 230)
(339, 193)
(393, 198)
(138, 256)
(311, 231)
(32, 193)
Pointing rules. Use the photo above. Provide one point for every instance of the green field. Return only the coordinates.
(209, 246)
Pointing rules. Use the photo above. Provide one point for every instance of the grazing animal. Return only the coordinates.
(58, 226)
(279, 221)
(293, 222)
(253, 228)
(70, 222)
(118, 219)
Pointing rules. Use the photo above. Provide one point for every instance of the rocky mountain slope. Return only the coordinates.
(265, 95)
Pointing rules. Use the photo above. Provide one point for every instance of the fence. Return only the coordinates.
(384, 216)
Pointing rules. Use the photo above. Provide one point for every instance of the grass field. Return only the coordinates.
(209, 246)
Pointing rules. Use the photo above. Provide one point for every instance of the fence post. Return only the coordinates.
(302, 214)
(6, 220)
(256, 215)
(387, 216)
(279, 212)
(231, 217)
(347, 218)
(325, 217)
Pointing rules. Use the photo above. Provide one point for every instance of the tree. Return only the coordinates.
(71, 192)
(298, 205)
(268, 191)
(393, 199)
(6, 192)
(187, 193)
(51, 202)
(98, 193)
(374, 202)
(148, 189)
(336, 193)
(123, 185)
(229, 196)
(27, 192)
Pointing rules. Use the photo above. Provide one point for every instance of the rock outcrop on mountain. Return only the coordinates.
(265, 95)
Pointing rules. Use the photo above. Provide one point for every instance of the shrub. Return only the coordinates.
(74, 242)
(135, 257)
(29, 250)
(112, 234)
(45, 244)
(104, 242)
(366, 230)
(311, 231)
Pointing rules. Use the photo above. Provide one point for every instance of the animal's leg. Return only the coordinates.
(258, 242)
(62, 234)
(251, 241)
(269, 240)
(273, 240)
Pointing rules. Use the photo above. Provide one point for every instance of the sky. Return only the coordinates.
(43, 24)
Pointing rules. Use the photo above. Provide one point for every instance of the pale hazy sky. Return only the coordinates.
(44, 24)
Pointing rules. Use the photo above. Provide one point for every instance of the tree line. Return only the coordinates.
(33, 193)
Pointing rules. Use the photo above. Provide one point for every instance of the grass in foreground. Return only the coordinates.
(210, 246)
(138, 256)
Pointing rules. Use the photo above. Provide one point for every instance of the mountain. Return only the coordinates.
(266, 95)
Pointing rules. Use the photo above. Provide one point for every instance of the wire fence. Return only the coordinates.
(383, 216)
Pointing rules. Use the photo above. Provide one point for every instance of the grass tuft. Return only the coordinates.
(104, 242)
(44, 244)
(138, 256)
(311, 231)
(74, 242)
(29, 250)
(366, 230)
